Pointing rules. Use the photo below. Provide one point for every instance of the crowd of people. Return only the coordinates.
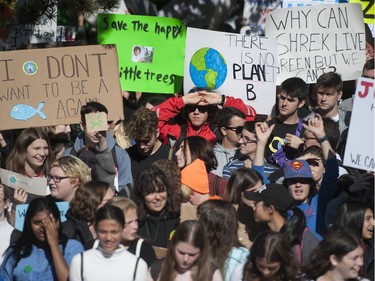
(193, 187)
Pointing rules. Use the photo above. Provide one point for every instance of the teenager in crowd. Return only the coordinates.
(188, 256)
(66, 175)
(109, 260)
(339, 256)
(29, 157)
(159, 207)
(42, 252)
(271, 258)
(81, 214)
(130, 239)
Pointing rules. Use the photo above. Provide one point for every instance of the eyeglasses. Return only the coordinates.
(238, 130)
(201, 109)
(247, 140)
(56, 179)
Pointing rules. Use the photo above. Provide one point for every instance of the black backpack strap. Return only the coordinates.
(114, 157)
(82, 266)
(73, 151)
(135, 269)
(181, 136)
(214, 128)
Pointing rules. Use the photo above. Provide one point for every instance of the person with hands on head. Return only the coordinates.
(198, 109)
(41, 252)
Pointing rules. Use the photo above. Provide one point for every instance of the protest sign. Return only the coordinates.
(150, 51)
(359, 150)
(42, 31)
(368, 10)
(302, 3)
(21, 210)
(314, 40)
(37, 186)
(238, 65)
(45, 87)
(96, 121)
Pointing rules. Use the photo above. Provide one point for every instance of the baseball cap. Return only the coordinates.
(297, 169)
(273, 194)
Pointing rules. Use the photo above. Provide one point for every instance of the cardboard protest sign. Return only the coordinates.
(96, 121)
(317, 39)
(238, 65)
(368, 8)
(150, 51)
(359, 150)
(43, 87)
(36, 186)
(22, 209)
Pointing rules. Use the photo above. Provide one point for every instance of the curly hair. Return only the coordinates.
(220, 221)
(73, 167)
(17, 158)
(172, 171)
(273, 247)
(87, 200)
(144, 124)
(193, 233)
(151, 180)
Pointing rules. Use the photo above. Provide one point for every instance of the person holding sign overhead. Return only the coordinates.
(198, 108)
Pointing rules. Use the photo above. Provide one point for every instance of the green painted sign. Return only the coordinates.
(150, 51)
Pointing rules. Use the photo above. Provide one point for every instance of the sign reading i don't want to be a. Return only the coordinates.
(44, 87)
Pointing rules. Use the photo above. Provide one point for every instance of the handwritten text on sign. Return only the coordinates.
(317, 39)
(45, 87)
(359, 151)
(243, 66)
(150, 51)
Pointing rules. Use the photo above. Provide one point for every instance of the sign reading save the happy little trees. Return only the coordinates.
(150, 51)
(44, 87)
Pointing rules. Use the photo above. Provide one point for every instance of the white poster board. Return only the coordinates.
(317, 39)
(302, 3)
(238, 65)
(37, 186)
(359, 151)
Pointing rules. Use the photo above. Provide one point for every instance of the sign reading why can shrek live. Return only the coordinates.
(238, 65)
(45, 87)
(150, 51)
(317, 39)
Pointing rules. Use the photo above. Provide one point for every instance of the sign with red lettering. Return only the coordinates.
(44, 87)
(359, 151)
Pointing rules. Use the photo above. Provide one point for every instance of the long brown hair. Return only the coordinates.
(17, 158)
(193, 233)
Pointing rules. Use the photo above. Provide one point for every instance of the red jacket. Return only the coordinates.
(172, 107)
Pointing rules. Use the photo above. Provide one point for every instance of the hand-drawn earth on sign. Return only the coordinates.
(208, 68)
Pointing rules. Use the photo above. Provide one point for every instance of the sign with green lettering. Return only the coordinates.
(150, 51)
(45, 87)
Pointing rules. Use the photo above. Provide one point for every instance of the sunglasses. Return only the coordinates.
(248, 140)
(238, 130)
(201, 109)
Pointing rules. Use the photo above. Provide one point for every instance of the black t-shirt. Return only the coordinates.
(277, 139)
(146, 253)
(140, 162)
